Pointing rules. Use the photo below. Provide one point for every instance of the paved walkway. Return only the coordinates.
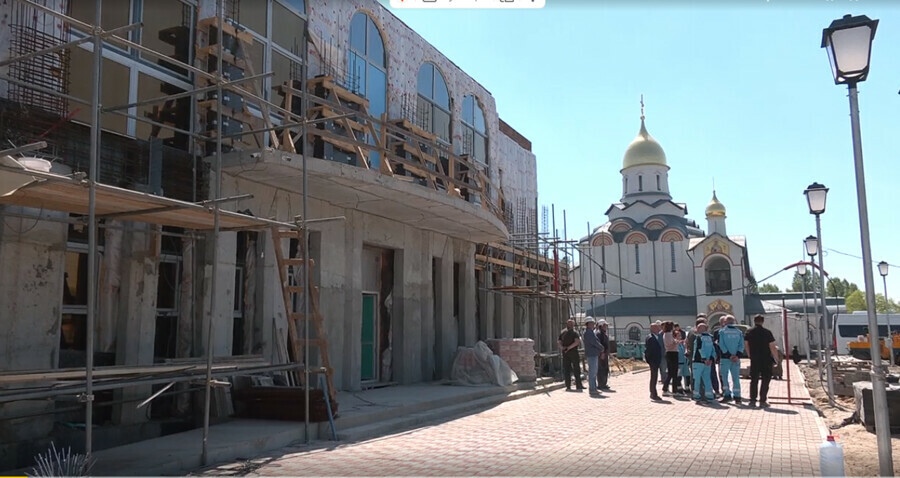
(568, 433)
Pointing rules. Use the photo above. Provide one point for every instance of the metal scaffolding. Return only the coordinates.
(25, 58)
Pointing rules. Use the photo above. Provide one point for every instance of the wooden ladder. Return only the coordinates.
(289, 270)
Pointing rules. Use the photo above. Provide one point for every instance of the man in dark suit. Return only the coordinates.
(603, 370)
(653, 356)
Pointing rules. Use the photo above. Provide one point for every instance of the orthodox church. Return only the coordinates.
(650, 262)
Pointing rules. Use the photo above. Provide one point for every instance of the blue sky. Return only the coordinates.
(739, 92)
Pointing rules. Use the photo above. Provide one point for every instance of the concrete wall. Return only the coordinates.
(421, 342)
(33, 258)
(517, 172)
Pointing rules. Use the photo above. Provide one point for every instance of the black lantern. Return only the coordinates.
(848, 42)
(815, 197)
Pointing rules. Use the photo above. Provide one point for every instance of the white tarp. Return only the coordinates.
(479, 366)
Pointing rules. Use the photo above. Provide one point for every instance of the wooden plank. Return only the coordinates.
(344, 94)
(204, 52)
(408, 126)
(226, 28)
(500, 262)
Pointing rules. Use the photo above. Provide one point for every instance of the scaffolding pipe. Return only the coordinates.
(88, 396)
(303, 224)
(217, 187)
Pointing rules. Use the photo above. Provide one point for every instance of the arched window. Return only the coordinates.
(657, 183)
(718, 276)
(640, 183)
(634, 333)
(474, 131)
(368, 72)
(433, 103)
(637, 259)
(672, 250)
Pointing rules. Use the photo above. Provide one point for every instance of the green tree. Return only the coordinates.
(806, 282)
(855, 301)
(835, 286)
(768, 288)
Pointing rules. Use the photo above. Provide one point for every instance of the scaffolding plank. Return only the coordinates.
(61, 193)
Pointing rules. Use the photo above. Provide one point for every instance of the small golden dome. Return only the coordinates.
(715, 208)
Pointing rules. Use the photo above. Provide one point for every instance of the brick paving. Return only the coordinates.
(567, 433)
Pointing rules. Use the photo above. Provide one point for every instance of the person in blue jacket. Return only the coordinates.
(731, 343)
(653, 353)
(704, 354)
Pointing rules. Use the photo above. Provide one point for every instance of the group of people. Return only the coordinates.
(596, 354)
(672, 356)
(706, 365)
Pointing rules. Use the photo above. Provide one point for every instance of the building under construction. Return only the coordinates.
(192, 190)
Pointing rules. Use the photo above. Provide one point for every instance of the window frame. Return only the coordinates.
(470, 142)
(431, 101)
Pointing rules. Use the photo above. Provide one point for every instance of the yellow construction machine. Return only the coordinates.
(861, 348)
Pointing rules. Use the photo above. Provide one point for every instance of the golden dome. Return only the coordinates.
(715, 208)
(644, 150)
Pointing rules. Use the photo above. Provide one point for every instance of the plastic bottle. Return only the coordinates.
(831, 457)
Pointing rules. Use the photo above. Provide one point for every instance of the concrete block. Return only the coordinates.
(862, 392)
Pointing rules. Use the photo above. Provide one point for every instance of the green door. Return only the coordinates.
(369, 370)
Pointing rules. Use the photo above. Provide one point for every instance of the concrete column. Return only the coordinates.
(32, 255)
(486, 306)
(467, 305)
(507, 309)
(352, 318)
(137, 322)
(331, 270)
(551, 333)
(446, 341)
(221, 307)
(426, 340)
(407, 318)
(270, 301)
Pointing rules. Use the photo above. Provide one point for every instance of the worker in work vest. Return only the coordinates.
(731, 343)
(704, 354)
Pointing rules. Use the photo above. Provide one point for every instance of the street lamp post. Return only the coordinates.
(883, 270)
(815, 196)
(801, 269)
(848, 42)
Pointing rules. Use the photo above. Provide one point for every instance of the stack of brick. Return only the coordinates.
(518, 354)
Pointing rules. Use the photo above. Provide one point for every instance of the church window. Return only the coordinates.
(640, 183)
(626, 184)
(637, 259)
(603, 262)
(718, 276)
(672, 250)
(657, 183)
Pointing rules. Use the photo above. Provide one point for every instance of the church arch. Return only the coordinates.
(654, 224)
(706, 260)
(602, 239)
(672, 235)
(635, 332)
(718, 276)
(620, 226)
(636, 238)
